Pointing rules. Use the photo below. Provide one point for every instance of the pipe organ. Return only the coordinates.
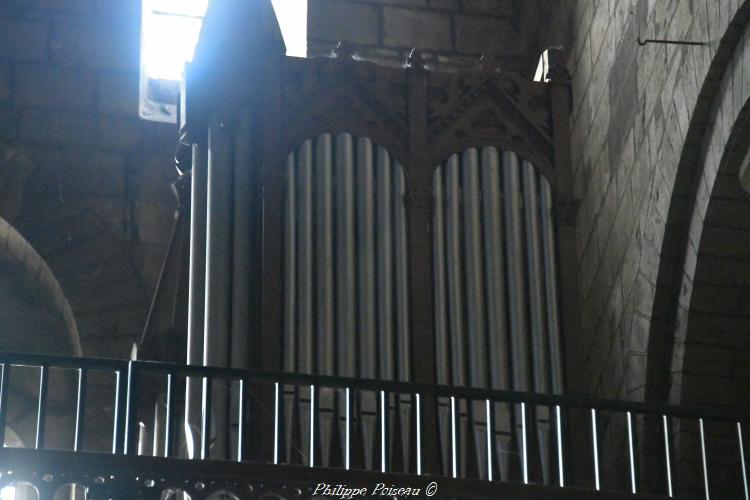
(377, 223)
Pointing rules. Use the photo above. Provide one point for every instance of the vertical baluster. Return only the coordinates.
(348, 432)
(384, 411)
(742, 460)
(169, 412)
(667, 455)
(116, 417)
(276, 422)
(703, 459)
(631, 453)
(4, 390)
(595, 440)
(206, 419)
(454, 444)
(241, 420)
(80, 409)
(560, 458)
(313, 409)
(524, 446)
(419, 434)
(131, 412)
(41, 415)
(489, 431)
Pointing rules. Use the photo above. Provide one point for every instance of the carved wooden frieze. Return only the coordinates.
(489, 105)
(343, 93)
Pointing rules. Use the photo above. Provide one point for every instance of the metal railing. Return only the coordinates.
(676, 440)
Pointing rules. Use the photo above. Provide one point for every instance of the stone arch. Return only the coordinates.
(710, 150)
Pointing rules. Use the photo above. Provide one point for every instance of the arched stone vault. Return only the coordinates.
(705, 190)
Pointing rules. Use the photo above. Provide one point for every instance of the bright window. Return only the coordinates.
(169, 33)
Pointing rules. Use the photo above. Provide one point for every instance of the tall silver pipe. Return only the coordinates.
(242, 241)
(386, 345)
(326, 348)
(216, 333)
(306, 284)
(535, 279)
(402, 308)
(516, 288)
(305, 258)
(475, 319)
(441, 304)
(516, 284)
(324, 254)
(346, 326)
(536, 307)
(385, 264)
(290, 298)
(458, 334)
(345, 257)
(550, 276)
(365, 202)
(492, 219)
(453, 264)
(401, 274)
(196, 297)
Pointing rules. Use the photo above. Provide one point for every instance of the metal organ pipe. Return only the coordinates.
(345, 300)
(196, 297)
(492, 218)
(218, 262)
(243, 184)
(550, 276)
(496, 310)
(366, 292)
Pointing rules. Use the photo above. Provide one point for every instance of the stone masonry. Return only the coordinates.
(96, 203)
(451, 33)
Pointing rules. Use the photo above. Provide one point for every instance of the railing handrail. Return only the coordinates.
(396, 387)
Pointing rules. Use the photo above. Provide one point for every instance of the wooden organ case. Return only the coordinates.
(361, 221)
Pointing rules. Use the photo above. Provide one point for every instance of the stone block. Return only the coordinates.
(5, 83)
(8, 122)
(54, 87)
(118, 93)
(501, 8)
(57, 127)
(485, 34)
(22, 40)
(451, 5)
(117, 133)
(412, 28)
(337, 20)
(154, 222)
(113, 45)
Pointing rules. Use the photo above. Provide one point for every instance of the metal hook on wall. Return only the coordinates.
(645, 41)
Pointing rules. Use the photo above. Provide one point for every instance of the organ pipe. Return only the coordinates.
(196, 285)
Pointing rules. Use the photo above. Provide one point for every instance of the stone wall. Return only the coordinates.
(641, 119)
(451, 33)
(96, 203)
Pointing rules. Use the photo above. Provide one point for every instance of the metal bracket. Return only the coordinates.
(672, 42)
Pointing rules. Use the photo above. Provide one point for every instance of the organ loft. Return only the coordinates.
(435, 253)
